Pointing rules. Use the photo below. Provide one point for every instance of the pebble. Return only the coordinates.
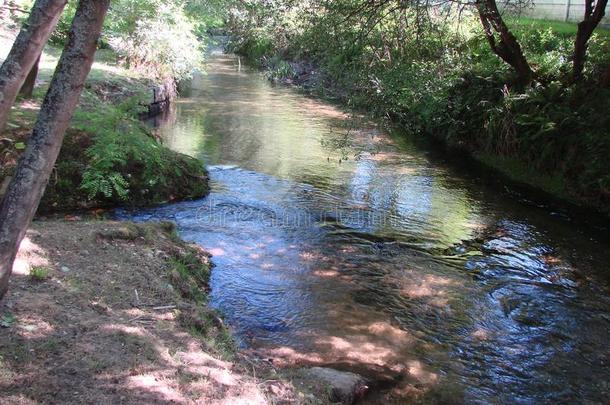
(65, 269)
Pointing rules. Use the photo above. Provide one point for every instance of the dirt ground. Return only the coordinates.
(97, 313)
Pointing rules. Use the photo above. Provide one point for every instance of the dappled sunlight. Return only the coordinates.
(359, 349)
(34, 327)
(130, 330)
(31, 105)
(113, 69)
(122, 344)
(417, 370)
(390, 333)
(427, 286)
(30, 255)
(326, 273)
(154, 384)
(216, 251)
(481, 334)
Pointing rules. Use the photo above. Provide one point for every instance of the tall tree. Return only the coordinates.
(26, 50)
(32, 174)
(594, 12)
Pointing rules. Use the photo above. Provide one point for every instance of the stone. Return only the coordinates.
(65, 269)
(345, 387)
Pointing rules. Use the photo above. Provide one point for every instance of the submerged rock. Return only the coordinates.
(344, 387)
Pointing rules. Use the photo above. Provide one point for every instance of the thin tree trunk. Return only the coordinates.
(507, 48)
(27, 186)
(593, 16)
(25, 51)
(30, 81)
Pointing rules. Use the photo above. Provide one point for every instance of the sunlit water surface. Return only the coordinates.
(387, 258)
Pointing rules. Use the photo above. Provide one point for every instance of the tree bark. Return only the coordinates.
(30, 81)
(593, 16)
(25, 51)
(27, 186)
(507, 48)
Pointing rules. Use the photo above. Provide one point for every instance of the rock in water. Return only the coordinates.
(345, 387)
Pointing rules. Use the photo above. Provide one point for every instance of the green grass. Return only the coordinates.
(559, 27)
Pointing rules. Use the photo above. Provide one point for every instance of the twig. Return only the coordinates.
(164, 307)
(17, 9)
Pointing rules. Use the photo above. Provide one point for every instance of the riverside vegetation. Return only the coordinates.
(110, 156)
(435, 75)
(141, 293)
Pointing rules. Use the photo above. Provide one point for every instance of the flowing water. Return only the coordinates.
(335, 243)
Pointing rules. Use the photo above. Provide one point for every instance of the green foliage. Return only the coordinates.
(118, 140)
(38, 273)
(437, 76)
(60, 35)
(279, 69)
(155, 37)
(125, 162)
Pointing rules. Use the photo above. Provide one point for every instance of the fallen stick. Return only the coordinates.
(164, 307)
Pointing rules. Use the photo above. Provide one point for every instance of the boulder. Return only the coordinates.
(345, 387)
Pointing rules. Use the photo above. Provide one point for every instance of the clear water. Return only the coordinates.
(387, 260)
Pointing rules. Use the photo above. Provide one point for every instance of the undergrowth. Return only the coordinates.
(446, 84)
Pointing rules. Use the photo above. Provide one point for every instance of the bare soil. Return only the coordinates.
(100, 312)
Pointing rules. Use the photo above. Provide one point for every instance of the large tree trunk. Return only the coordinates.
(593, 16)
(34, 169)
(507, 47)
(25, 51)
(30, 81)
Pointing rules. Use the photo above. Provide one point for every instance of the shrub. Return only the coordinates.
(161, 43)
(126, 164)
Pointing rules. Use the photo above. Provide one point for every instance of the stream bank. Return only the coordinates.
(551, 136)
(112, 312)
(104, 311)
(109, 156)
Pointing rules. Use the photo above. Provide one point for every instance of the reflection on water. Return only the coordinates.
(387, 261)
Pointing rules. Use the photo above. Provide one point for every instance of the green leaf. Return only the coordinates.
(7, 320)
(20, 146)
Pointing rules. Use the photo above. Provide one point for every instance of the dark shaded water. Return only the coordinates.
(387, 258)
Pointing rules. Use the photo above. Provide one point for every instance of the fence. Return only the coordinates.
(561, 10)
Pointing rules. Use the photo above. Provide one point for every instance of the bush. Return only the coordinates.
(127, 165)
(160, 43)
(156, 38)
(110, 158)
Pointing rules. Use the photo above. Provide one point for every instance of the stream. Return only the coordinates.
(335, 243)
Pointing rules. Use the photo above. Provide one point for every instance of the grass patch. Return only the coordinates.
(561, 28)
(39, 273)
(209, 329)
